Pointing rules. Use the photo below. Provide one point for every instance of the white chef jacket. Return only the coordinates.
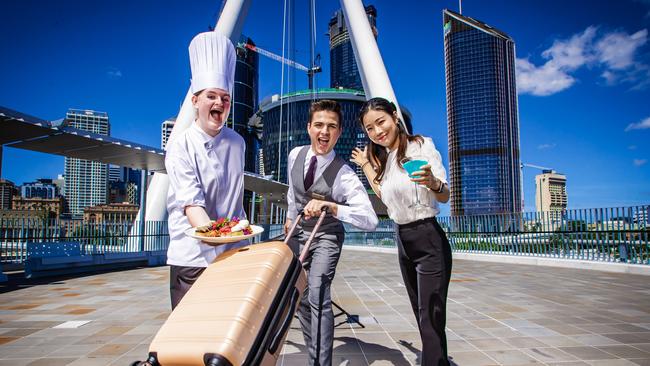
(347, 188)
(203, 171)
(398, 191)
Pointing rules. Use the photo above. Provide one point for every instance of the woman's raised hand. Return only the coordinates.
(359, 157)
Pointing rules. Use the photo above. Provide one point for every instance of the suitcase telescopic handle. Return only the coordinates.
(305, 250)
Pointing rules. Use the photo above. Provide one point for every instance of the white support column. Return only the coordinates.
(230, 24)
(371, 66)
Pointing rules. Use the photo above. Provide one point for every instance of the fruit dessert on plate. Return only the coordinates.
(224, 227)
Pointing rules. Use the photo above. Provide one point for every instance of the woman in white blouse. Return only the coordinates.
(423, 250)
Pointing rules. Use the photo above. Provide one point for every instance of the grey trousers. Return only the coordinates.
(180, 280)
(315, 309)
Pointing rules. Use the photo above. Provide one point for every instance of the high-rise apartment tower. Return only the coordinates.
(550, 193)
(86, 182)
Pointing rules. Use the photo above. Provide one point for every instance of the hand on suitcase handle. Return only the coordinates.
(295, 223)
(315, 205)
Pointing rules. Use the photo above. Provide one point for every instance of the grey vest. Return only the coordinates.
(321, 189)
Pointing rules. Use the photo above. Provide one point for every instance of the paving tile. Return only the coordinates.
(51, 361)
(92, 361)
(618, 362)
(490, 344)
(524, 342)
(16, 362)
(624, 351)
(641, 362)
(512, 357)
(549, 354)
(588, 353)
(474, 358)
(595, 340)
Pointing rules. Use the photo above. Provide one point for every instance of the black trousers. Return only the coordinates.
(180, 280)
(425, 261)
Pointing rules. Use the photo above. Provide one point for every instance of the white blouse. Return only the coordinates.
(398, 191)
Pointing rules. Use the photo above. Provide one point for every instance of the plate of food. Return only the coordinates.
(223, 231)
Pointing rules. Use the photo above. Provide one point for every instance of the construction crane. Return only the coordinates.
(310, 71)
(534, 166)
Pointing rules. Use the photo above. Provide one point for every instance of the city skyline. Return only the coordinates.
(582, 77)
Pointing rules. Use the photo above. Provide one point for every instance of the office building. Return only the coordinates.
(124, 185)
(482, 113)
(86, 181)
(344, 72)
(7, 191)
(59, 182)
(43, 188)
(550, 193)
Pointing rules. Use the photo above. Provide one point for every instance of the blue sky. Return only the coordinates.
(583, 75)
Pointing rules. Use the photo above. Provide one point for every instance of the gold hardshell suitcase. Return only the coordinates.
(239, 310)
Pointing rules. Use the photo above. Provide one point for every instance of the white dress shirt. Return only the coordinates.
(398, 192)
(203, 171)
(347, 188)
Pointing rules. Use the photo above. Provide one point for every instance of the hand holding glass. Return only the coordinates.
(412, 165)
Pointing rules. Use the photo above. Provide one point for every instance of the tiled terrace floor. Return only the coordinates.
(498, 314)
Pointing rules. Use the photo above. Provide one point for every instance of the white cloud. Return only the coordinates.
(631, 147)
(546, 146)
(563, 57)
(616, 50)
(614, 53)
(114, 73)
(644, 124)
(572, 53)
(544, 80)
(640, 162)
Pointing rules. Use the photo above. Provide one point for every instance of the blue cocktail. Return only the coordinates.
(412, 165)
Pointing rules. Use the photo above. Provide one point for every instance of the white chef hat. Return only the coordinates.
(212, 60)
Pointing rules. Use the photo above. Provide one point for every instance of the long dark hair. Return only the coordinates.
(377, 154)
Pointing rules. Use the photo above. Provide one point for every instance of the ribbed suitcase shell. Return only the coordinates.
(235, 308)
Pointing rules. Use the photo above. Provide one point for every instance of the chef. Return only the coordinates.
(205, 164)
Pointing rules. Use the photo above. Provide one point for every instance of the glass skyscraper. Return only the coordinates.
(245, 100)
(482, 112)
(86, 182)
(344, 72)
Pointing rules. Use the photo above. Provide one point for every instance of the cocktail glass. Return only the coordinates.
(412, 165)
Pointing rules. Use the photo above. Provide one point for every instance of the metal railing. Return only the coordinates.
(602, 234)
(94, 238)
